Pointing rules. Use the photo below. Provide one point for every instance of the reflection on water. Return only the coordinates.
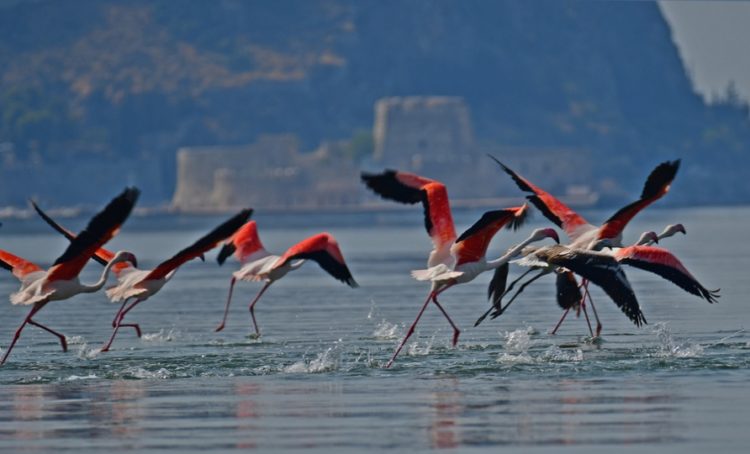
(315, 379)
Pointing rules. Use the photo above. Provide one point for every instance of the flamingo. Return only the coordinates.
(641, 255)
(261, 265)
(139, 285)
(584, 235)
(60, 282)
(452, 260)
(569, 292)
(443, 278)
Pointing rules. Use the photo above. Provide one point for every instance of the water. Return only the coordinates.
(315, 381)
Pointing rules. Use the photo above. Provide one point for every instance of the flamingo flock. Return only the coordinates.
(596, 254)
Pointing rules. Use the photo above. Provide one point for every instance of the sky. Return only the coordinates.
(713, 38)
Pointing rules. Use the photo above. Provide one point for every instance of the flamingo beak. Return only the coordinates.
(681, 228)
(553, 234)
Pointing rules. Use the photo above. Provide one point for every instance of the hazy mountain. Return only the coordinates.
(135, 80)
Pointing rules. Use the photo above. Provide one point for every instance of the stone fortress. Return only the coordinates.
(430, 135)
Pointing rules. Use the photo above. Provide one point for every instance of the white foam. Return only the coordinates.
(81, 377)
(556, 354)
(139, 372)
(521, 358)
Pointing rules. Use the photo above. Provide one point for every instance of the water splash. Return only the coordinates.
(75, 340)
(519, 340)
(669, 348)
(386, 330)
(556, 354)
(84, 352)
(326, 361)
(161, 336)
(415, 349)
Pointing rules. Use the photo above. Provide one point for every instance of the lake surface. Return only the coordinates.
(315, 379)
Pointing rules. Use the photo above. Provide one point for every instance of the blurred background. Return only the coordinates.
(207, 106)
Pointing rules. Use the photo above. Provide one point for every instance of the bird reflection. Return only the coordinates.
(447, 408)
(247, 410)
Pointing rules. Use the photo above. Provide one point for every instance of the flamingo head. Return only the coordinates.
(125, 256)
(540, 234)
(673, 229)
(648, 238)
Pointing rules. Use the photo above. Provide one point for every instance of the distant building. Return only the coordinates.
(412, 130)
(433, 136)
(270, 173)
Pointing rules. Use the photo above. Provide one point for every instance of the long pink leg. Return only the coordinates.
(226, 309)
(63, 342)
(132, 325)
(593, 308)
(583, 283)
(565, 314)
(118, 324)
(588, 322)
(252, 306)
(411, 329)
(456, 331)
(33, 311)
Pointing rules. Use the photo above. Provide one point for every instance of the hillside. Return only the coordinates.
(136, 80)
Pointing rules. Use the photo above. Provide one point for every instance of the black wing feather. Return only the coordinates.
(387, 186)
(112, 216)
(568, 293)
(60, 229)
(329, 264)
(604, 271)
(226, 251)
(662, 175)
(669, 273)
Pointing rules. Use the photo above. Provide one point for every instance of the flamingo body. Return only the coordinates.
(261, 265)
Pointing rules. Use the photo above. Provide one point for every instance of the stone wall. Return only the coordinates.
(270, 173)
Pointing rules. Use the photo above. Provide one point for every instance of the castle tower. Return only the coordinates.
(416, 130)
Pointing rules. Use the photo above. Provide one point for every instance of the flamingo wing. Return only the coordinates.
(103, 256)
(601, 269)
(496, 289)
(568, 291)
(553, 209)
(99, 230)
(16, 265)
(410, 188)
(662, 262)
(657, 185)
(472, 244)
(205, 243)
(323, 249)
(243, 244)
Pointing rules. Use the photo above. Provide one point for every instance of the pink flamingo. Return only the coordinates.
(139, 285)
(584, 235)
(453, 260)
(261, 265)
(60, 282)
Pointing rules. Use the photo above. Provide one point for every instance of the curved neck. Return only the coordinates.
(512, 252)
(102, 280)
